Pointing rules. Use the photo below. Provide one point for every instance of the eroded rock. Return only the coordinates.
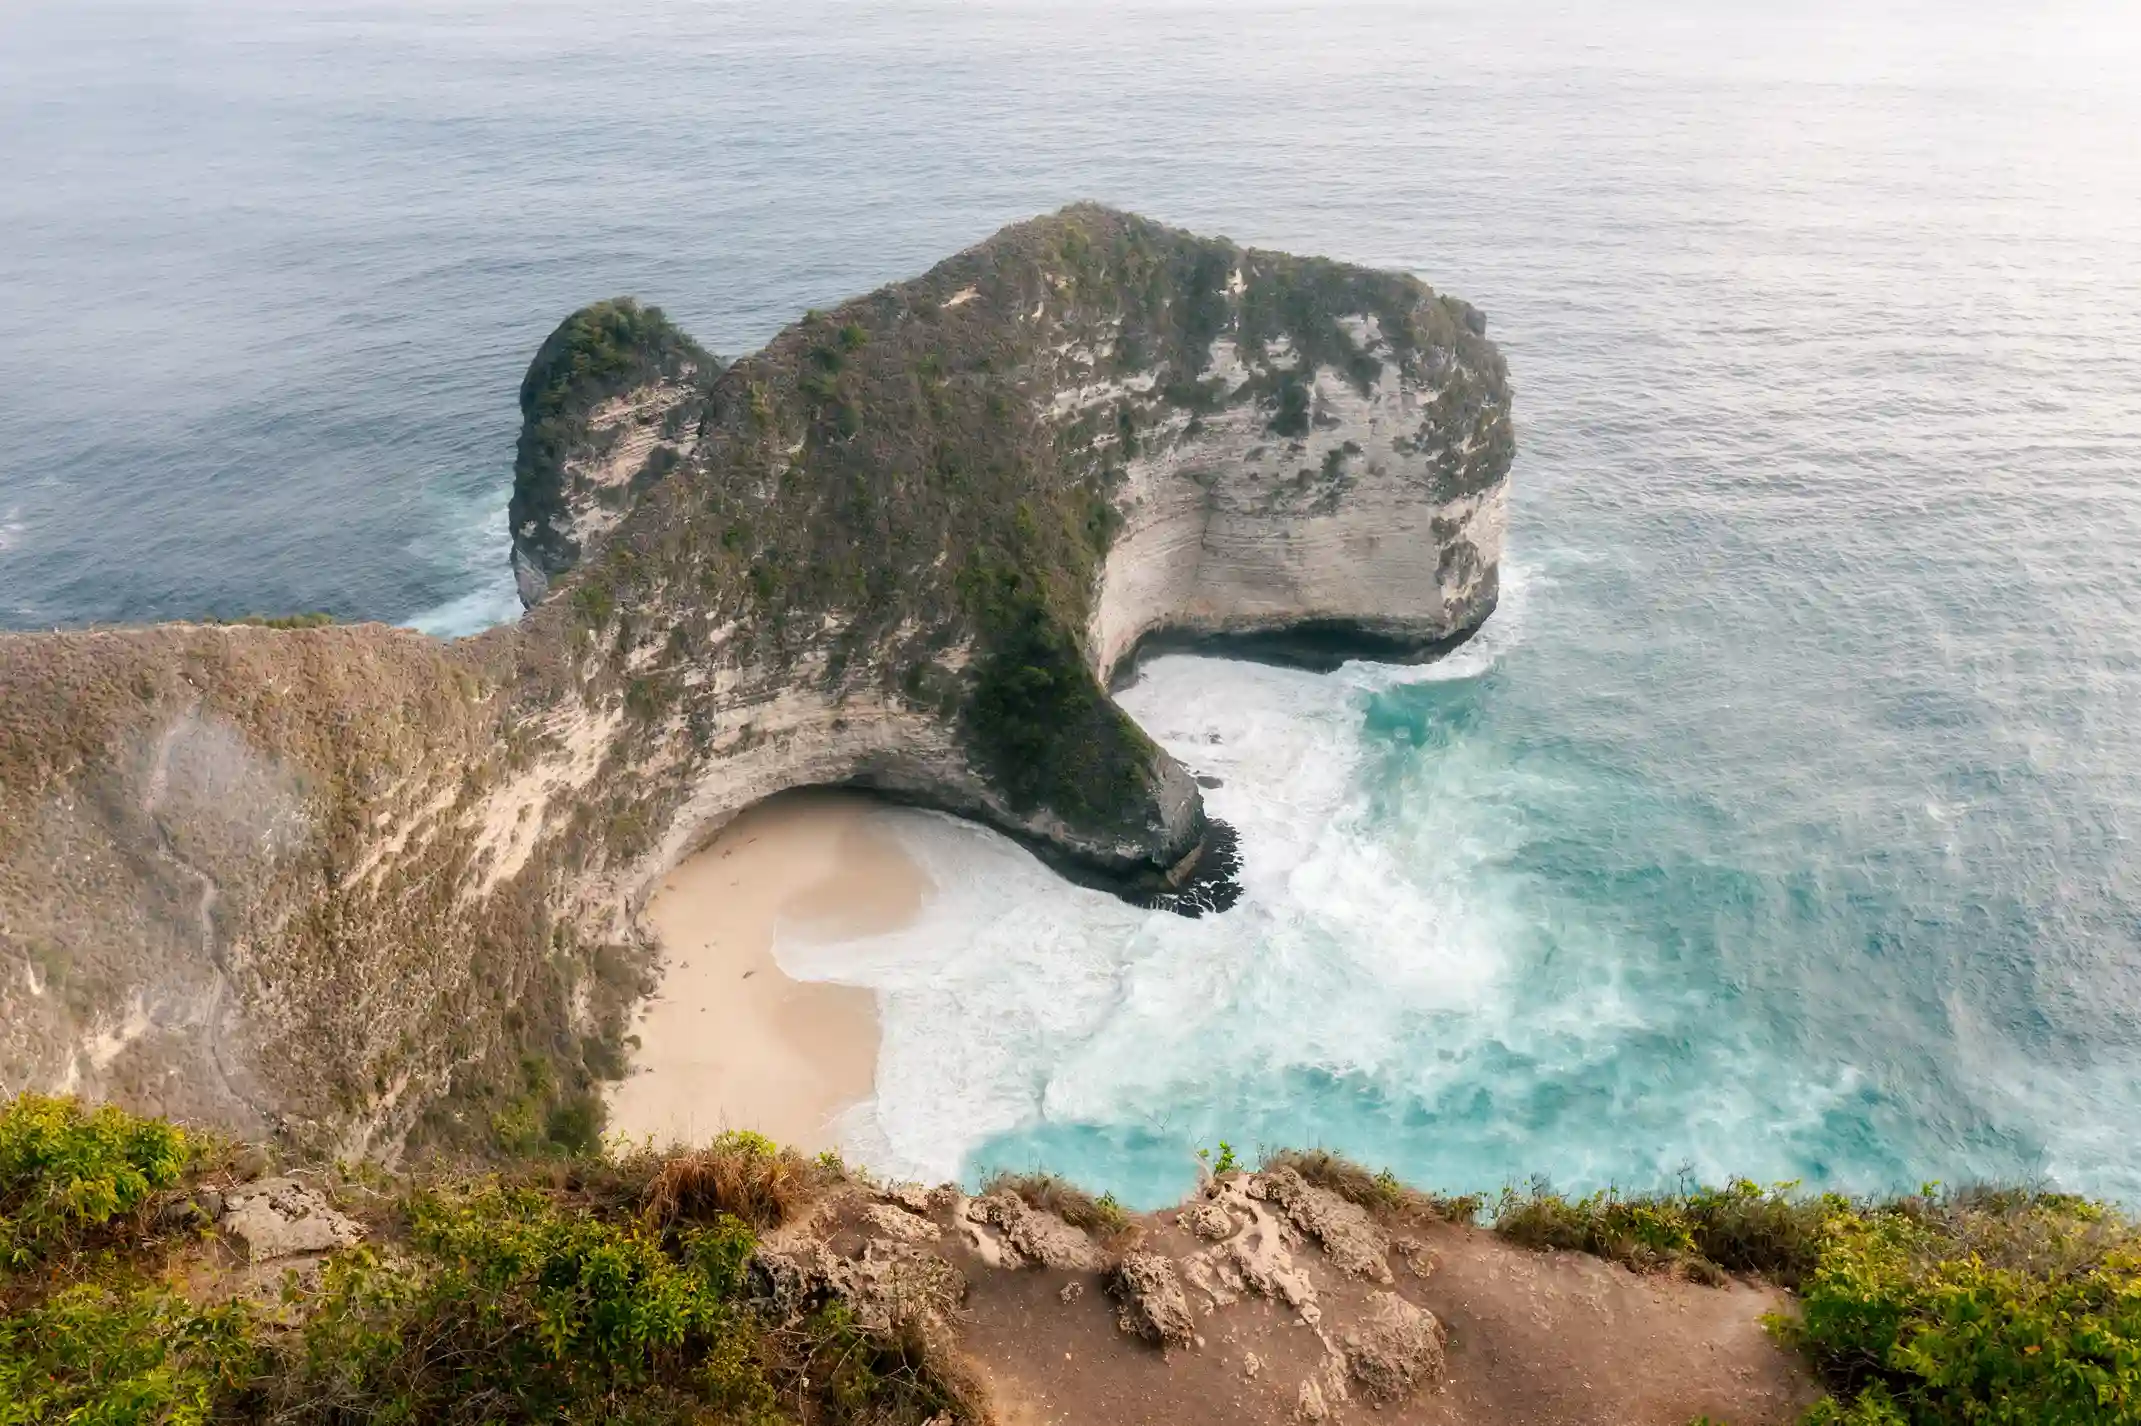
(1349, 1236)
(281, 1218)
(888, 1284)
(1035, 1236)
(900, 1225)
(1396, 1348)
(1153, 1304)
(1207, 1220)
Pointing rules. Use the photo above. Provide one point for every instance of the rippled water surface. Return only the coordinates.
(1782, 823)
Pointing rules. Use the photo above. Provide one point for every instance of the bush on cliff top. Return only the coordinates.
(66, 1171)
(2011, 1308)
(608, 1290)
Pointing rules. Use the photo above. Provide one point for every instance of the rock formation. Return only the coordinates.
(348, 883)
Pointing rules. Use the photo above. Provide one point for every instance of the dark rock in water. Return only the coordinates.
(338, 883)
(1210, 883)
(1206, 781)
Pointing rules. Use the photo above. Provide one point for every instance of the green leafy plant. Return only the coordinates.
(65, 1170)
(575, 1319)
(1994, 1308)
(101, 1355)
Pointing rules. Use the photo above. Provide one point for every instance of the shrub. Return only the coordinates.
(740, 1175)
(902, 1376)
(98, 1354)
(1998, 1309)
(1703, 1233)
(65, 1170)
(515, 1308)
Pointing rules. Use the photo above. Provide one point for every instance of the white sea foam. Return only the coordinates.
(1019, 998)
(478, 540)
(471, 613)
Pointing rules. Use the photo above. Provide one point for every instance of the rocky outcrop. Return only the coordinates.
(1152, 1303)
(610, 405)
(282, 1218)
(352, 883)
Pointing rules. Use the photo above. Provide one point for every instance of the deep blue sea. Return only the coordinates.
(1784, 821)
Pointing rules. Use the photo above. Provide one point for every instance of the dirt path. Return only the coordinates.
(1533, 1340)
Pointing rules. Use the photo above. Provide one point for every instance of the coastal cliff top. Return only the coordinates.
(150, 1273)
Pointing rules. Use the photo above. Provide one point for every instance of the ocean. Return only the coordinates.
(1781, 824)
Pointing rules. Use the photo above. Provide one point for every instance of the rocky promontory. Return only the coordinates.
(353, 884)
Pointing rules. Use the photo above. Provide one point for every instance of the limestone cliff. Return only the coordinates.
(351, 883)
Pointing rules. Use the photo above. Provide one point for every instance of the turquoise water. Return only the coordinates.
(1783, 823)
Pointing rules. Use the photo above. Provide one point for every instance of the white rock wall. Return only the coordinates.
(1232, 529)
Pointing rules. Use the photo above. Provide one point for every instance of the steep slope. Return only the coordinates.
(341, 881)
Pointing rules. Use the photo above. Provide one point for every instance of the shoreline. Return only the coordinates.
(729, 1040)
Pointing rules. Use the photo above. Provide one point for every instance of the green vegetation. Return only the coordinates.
(1039, 720)
(1703, 1233)
(1226, 1163)
(66, 1171)
(610, 1289)
(1982, 1307)
(2008, 1307)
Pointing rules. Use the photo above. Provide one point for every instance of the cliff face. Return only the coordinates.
(352, 883)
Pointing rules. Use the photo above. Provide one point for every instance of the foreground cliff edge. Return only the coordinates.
(349, 883)
(154, 1274)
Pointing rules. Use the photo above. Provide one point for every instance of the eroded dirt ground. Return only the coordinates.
(1268, 1300)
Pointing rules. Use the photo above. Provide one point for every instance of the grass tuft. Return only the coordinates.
(741, 1175)
(1103, 1217)
(1377, 1192)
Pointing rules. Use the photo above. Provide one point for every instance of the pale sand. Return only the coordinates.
(729, 1041)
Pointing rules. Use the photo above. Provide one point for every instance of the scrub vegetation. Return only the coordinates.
(619, 1287)
(612, 1289)
(1976, 1305)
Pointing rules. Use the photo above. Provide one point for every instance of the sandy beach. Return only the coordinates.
(730, 1041)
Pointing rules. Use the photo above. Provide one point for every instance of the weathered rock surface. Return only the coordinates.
(281, 1217)
(1396, 1348)
(352, 883)
(1153, 1305)
(1345, 1230)
(1028, 1235)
